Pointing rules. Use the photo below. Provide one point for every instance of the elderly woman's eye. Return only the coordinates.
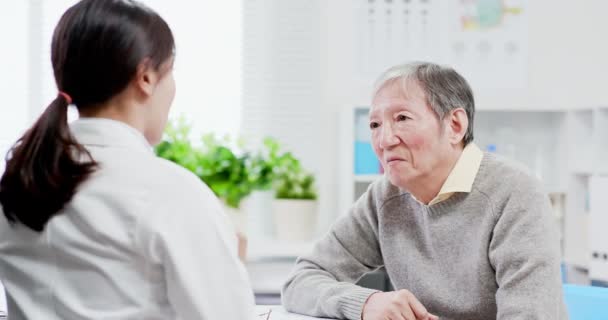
(402, 117)
(374, 125)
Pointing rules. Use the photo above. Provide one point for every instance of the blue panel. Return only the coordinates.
(366, 161)
(586, 303)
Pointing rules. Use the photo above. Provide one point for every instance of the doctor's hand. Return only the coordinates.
(395, 305)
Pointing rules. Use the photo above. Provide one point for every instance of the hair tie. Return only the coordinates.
(66, 97)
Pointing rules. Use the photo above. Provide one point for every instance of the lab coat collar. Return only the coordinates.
(108, 133)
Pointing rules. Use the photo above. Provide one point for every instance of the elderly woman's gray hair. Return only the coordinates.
(443, 87)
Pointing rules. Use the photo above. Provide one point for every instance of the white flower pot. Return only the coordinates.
(258, 208)
(295, 219)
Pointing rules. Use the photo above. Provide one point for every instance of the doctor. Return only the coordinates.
(93, 225)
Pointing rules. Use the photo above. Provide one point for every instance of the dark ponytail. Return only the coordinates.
(43, 169)
(96, 49)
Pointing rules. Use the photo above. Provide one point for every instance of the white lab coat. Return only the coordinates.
(142, 239)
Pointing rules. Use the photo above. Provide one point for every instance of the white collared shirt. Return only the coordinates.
(141, 239)
(463, 174)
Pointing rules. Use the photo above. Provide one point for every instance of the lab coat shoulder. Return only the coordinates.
(181, 205)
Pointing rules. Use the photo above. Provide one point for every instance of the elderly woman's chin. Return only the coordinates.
(395, 177)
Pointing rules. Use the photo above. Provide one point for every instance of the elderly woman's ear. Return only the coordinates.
(456, 124)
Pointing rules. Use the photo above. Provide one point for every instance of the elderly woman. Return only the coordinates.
(462, 234)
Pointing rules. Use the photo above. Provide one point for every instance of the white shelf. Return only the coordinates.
(598, 219)
(576, 246)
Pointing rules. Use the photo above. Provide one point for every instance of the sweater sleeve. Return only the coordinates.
(322, 283)
(525, 254)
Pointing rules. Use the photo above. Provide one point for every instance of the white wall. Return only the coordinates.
(207, 68)
(15, 73)
(282, 74)
(567, 64)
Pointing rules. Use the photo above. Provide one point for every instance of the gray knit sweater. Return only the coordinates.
(492, 253)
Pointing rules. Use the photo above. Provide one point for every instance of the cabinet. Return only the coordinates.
(566, 149)
(3, 307)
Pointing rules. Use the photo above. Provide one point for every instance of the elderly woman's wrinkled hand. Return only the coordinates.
(395, 305)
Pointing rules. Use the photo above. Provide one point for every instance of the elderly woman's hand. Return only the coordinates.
(395, 305)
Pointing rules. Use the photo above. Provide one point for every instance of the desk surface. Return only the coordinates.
(279, 313)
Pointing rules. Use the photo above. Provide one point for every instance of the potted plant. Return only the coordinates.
(295, 206)
(261, 167)
(248, 182)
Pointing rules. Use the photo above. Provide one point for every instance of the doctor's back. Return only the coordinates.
(92, 224)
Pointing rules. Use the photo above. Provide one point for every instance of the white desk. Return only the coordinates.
(279, 313)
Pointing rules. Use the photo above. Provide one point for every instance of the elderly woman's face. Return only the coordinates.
(407, 135)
